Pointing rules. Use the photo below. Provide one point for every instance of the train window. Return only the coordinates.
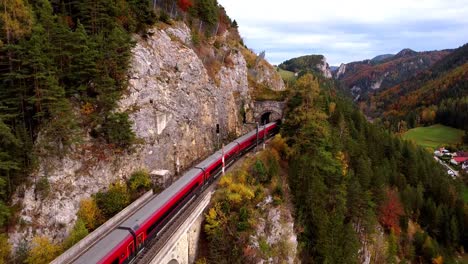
(116, 261)
(131, 249)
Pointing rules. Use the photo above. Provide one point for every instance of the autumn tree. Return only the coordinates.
(42, 251)
(90, 214)
(390, 211)
(185, 4)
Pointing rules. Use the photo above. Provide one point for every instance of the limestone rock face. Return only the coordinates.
(267, 75)
(324, 68)
(174, 106)
(276, 229)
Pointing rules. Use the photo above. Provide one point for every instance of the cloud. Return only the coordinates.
(346, 31)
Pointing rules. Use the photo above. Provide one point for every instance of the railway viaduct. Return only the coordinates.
(182, 246)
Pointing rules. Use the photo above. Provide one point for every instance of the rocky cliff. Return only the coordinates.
(174, 104)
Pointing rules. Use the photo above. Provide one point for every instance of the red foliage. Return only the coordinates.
(185, 4)
(390, 211)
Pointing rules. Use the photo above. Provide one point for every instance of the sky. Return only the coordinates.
(348, 30)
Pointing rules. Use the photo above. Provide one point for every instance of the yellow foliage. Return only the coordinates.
(341, 157)
(43, 251)
(243, 190)
(5, 249)
(331, 107)
(279, 145)
(225, 181)
(234, 198)
(438, 260)
(242, 177)
(87, 109)
(214, 220)
(16, 19)
(90, 213)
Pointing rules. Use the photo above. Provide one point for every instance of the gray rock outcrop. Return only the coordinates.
(174, 106)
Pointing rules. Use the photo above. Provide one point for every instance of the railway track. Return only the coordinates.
(175, 206)
(154, 247)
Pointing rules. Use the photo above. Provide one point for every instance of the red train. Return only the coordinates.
(127, 240)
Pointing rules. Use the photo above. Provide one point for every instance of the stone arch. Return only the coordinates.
(173, 261)
(267, 116)
(268, 111)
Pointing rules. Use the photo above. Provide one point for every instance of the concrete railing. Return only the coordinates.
(105, 228)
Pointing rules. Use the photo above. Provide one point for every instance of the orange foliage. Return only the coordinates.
(185, 4)
(390, 211)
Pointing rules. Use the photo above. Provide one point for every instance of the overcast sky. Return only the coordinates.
(348, 30)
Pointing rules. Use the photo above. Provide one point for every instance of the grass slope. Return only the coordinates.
(286, 75)
(465, 197)
(434, 136)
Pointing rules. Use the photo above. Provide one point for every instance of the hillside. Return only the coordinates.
(361, 193)
(94, 95)
(382, 72)
(308, 63)
(437, 94)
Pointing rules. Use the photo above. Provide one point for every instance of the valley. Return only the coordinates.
(104, 102)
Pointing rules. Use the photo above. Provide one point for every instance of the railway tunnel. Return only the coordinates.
(268, 111)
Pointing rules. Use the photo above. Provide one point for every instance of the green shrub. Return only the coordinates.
(140, 181)
(43, 187)
(114, 200)
(260, 172)
(195, 38)
(117, 130)
(78, 232)
(164, 17)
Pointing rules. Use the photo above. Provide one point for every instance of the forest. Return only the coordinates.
(63, 68)
(348, 175)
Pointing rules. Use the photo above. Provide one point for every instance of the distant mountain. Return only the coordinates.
(314, 63)
(385, 71)
(381, 58)
(334, 68)
(437, 94)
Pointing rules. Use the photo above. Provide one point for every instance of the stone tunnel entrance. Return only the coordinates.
(268, 111)
(265, 119)
(173, 262)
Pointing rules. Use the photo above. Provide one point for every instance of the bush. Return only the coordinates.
(78, 232)
(5, 249)
(43, 251)
(164, 17)
(117, 130)
(140, 181)
(114, 200)
(260, 172)
(279, 144)
(90, 214)
(43, 187)
(5, 213)
(195, 38)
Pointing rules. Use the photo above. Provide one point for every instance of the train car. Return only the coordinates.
(123, 243)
